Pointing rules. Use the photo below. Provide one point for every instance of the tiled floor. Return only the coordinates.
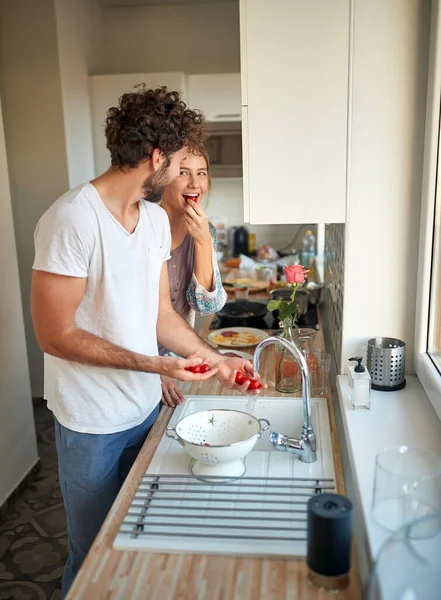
(33, 540)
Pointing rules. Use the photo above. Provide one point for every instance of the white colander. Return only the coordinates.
(218, 440)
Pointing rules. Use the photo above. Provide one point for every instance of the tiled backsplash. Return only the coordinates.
(334, 279)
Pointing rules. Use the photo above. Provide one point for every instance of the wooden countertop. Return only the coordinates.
(113, 574)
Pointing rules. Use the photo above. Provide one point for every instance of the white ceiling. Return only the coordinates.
(127, 3)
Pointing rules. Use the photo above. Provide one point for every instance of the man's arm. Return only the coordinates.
(175, 334)
(54, 303)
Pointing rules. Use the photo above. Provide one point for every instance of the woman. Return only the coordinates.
(195, 281)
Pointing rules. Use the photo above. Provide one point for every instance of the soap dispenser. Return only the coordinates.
(359, 385)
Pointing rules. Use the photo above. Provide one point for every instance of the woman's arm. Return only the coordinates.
(207, 299)
(199, 229)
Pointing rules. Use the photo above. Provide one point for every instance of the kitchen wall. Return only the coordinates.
(226, 200)
(30, 88)
(387, 119)
(18, 446)
(80, 39)
(192, 38)
(46, 52)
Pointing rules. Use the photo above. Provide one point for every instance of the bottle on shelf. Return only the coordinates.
(308, 248)
(251, 244)
(359, 385)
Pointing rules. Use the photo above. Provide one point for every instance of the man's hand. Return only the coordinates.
(175, 368)
(227, 369)
(171, 394)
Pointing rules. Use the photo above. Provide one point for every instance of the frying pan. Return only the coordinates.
(243, 311)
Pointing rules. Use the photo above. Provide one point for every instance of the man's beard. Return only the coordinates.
(155, 184)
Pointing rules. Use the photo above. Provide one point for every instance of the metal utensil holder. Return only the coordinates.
(386, 358)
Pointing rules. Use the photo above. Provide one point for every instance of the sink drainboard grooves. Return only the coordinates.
(252, 509)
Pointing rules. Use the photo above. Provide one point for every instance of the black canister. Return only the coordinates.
(329, 540)
(240, 243)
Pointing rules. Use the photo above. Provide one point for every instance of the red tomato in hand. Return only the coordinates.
(240, 378)
(189, 369)
(255, 385)
(197, 369)
(205, 368)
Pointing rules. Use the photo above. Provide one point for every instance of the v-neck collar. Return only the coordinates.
(121, 227)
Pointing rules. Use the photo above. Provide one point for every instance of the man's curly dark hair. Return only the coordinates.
(147, 119)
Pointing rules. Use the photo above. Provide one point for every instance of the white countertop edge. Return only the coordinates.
(396, 418)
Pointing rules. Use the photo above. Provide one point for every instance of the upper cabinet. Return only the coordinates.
(295, 72)
(105, 91)
(217, 96)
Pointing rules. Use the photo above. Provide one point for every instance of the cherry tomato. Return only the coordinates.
(255, 385)
(197, 369)
(240, 378)
(189, 369)
(205, 368)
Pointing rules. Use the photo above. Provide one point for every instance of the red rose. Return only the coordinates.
(295, 274)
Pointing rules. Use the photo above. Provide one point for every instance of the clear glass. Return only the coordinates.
(434, 337)
(304, 339)
(287, 375)
(320, 379)
(408, 566)
(241, 292)
(407, 486)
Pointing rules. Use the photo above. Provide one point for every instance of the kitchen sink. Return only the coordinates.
(262, 513)
(285, 416)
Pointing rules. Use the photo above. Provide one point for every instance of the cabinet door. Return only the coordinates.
(105, 91)
(295, 59)
(217, 96)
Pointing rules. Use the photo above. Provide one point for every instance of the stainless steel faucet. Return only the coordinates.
(305, 447)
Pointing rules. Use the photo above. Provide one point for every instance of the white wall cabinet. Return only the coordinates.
(105, 91)
(216, 95)
(295, 71)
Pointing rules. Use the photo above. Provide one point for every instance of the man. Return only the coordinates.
(100, 304)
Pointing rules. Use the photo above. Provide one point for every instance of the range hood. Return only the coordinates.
(224, 146)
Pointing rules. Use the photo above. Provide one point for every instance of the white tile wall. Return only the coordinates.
(333, 292)
(226, 200)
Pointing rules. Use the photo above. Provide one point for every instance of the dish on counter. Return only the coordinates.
(238, 353)
(231, 337)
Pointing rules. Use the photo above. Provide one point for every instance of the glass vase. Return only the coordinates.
(287, 377)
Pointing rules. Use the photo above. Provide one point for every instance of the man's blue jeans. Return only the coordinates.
(92, 469)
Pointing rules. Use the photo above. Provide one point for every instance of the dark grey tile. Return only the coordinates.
(50, 522)
(16, 521)
(34, 559)
(44, 485)
(26, 590)
(29, 509)
(5, 542)
(56, 594)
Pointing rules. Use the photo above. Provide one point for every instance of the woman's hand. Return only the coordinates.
(171, 394)
(197, 223)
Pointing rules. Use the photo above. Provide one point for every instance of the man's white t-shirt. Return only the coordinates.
(79, 237)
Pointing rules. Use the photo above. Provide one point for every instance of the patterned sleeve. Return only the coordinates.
(201, 300)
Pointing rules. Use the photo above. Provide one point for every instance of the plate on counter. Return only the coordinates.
(237, 337)
(254, 285)
(245, 355)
